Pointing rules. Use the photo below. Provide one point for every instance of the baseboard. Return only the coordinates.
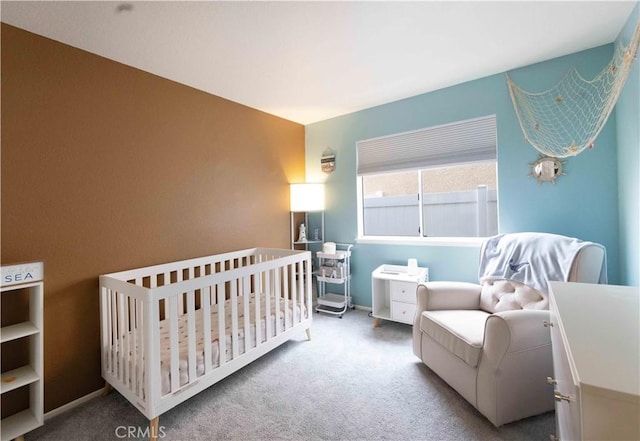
(75, 403)
(363, 308)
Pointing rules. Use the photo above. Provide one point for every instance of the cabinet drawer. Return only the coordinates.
(403, 291)
(403, 312)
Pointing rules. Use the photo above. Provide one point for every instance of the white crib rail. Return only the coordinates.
(133, 303)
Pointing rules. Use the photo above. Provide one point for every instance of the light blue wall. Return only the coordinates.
(628, 133)
(582, 204)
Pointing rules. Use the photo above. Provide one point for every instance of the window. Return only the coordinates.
(435, 182)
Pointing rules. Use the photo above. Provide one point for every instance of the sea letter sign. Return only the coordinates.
(21, 273)
(328, 161)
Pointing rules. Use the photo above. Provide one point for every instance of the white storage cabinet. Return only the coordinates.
(334, 269)
(596, 368)
(24, 277)
(393, 292)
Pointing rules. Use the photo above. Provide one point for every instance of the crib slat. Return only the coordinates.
(179, 278)
(114, 333)
(105, 345)
(292, 291)
(276, 298)
(140, 348)
(205, 301)
(295, 276)
(120, 336)
(152, 390)
(267, 302)
(191, 326)
(233, 299)
(308, 291)
(136, 340)
(301, 282)
(258, 296)
(246, 294)
(287, 314)
(109, 325)
(172, 316)
(222, 344)
(131, 332)
(126, 338)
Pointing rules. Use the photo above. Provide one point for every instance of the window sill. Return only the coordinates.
(423, 241)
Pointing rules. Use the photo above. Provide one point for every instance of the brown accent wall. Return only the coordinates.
(106, 167)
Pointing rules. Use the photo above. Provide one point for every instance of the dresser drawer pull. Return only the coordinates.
(551, 380)
(561, 397)
(547, 323)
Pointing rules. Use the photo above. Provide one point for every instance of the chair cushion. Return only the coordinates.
(461, 332)
(507, 295)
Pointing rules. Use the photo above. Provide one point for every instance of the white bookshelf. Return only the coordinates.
(30, 331)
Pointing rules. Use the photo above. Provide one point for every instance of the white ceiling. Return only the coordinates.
(309, 61)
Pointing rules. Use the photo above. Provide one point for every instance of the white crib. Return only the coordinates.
(161, 325)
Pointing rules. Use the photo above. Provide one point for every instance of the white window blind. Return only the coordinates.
(455, 143)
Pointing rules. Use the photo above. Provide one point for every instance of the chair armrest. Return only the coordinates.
(447, 295)
(442, 295)
(515, 362)
(513, 331)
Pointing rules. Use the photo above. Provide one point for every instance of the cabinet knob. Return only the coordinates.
(547, 323)
(551, 380)
(562, 397)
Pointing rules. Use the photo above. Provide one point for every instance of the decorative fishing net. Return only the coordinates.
(567, 118)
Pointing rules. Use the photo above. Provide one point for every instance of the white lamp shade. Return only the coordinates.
(307, 197)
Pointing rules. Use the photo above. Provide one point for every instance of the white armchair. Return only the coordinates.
(488, 341)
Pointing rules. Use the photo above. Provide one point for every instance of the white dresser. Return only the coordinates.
(595, 333)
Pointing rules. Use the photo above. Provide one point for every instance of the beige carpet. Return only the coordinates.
(350, 382)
